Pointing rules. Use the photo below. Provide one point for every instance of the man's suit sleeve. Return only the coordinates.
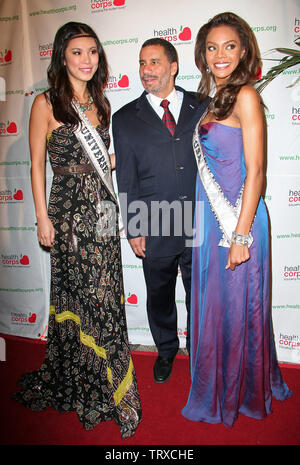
(126, 169)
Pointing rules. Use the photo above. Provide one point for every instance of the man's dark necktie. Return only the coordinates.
(168, 118)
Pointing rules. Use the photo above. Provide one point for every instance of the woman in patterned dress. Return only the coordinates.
(88, 367)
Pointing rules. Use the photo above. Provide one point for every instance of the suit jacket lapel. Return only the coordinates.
(147, 114)
(187, 113)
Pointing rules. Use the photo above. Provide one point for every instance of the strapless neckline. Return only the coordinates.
(66, 125)
(220, 124)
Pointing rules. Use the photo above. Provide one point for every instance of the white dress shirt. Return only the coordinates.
(175, 98)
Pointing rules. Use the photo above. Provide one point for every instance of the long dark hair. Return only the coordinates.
(61, 92)
(245, 73)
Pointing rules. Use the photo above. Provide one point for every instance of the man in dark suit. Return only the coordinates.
(156, 175)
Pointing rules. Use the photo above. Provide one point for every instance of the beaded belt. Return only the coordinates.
(75, 169)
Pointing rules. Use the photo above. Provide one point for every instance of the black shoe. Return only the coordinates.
(162, 369)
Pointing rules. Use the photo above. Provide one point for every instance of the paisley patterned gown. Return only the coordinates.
(88, 367)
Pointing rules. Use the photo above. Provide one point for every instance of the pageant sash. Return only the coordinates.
(226, 214)
(95, 149)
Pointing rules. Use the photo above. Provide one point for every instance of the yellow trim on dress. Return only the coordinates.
(125, 384)
(89, 341)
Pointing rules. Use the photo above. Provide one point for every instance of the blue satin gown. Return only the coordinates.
(234, 367)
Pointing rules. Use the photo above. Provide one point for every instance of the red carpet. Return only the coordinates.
(162, 422)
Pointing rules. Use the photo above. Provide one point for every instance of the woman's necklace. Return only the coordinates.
(86, 106)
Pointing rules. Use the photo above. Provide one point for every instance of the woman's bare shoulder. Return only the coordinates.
(248, 103)
(42, 103)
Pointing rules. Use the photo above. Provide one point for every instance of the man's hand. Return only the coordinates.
(138, 245)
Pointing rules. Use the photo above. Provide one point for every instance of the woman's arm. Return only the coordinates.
(249, 113)
(112, 157)
(38, 127)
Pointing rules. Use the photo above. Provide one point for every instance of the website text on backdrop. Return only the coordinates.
(155, 163)
(233, 360)
(88, 367)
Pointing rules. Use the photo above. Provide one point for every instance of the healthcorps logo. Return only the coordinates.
(291, 273)
(297, 27)
(117, 83)
(175, 35)
(7, 196)
(15, 261)
(98, 6)
(23, 318)
(295, 115)
(5, 57)
(294, 198)
(8, 128)
(132, 299)
(182, 332)
(45, 51)
(289, 341)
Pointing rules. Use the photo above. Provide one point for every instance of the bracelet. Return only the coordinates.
(240, 239)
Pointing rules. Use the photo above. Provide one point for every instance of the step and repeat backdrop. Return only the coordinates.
(26, 36)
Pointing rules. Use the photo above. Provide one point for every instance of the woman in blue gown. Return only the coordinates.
(233, 360)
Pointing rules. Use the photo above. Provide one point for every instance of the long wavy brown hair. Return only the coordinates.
(245, 73)
(61, 92)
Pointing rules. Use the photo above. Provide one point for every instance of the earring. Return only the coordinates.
(208, 69)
